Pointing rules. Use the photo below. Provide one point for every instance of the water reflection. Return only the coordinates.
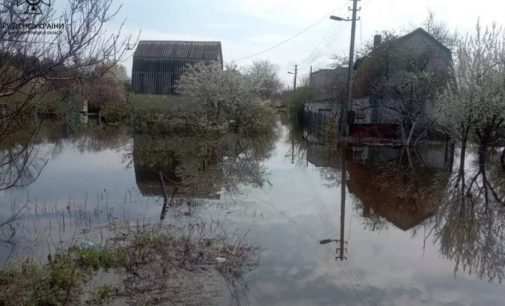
(395, 187)
(32, 206)
(184, 169)
(387, 213)
(470, 225)
(464, 211)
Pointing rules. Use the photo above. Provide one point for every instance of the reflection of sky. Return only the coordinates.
(73, 174)
(286, 220)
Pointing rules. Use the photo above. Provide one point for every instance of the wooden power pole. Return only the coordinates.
(347, 105)
(295, 77)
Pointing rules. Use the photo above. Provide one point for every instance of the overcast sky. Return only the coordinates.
(246, 27)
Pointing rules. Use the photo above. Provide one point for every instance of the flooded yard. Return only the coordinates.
(396, 239)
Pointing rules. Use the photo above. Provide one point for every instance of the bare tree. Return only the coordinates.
(34, 60)
(440, 31)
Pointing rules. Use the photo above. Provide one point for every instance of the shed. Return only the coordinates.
(158, 65)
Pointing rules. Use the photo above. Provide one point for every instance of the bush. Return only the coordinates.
(296, 105)
(114, 112)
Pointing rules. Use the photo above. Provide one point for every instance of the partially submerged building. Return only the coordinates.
(158, 65)
(378, 79)
(398, 76)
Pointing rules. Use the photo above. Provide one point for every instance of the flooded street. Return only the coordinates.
(282, 195)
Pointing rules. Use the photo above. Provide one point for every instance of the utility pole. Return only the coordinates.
(348, 104)
(295, 75)
(310, 77)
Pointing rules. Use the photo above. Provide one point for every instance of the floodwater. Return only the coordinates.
(398, 238)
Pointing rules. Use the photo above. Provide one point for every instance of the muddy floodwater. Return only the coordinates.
(398, 238)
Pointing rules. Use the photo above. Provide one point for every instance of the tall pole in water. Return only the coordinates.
(295, 77)
(348, 104)
(341, 249)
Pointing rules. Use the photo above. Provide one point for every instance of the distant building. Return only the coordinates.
(329, 87)
(158, 65)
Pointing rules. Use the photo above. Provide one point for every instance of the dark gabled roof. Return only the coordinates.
(367, 67)
(181, 50)
(425, 33)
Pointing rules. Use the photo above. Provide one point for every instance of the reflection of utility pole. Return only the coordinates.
(341, 242)
(295, 76)
(292, 148)
(341, 250)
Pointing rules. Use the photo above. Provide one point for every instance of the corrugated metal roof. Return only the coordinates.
(187, 50)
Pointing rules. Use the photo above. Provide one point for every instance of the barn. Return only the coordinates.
(157, 65)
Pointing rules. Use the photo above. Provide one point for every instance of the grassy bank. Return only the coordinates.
(144, 266)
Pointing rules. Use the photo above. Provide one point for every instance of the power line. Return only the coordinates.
(306, 29)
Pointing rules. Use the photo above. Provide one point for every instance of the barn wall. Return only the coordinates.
(156, 76)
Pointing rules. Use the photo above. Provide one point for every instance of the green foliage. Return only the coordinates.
(211, 101)
(296, 104)
(59, 282)
(96, 259)
(114, 112)
(103, 296)
(259, 119)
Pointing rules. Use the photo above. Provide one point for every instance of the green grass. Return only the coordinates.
(161, 103)
(59, 282)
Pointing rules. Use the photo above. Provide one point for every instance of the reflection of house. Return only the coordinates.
(157, 65)
(323, 156)
(403, 198)
(188, 167)
(439, 157)
(388, 63)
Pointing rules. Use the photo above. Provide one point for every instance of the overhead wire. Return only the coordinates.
(282, 42)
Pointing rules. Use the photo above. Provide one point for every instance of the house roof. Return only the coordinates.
(181, 50)
(368, 67)
(423, 32)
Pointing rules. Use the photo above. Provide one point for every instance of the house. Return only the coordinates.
(158, 65)
(329, 88)
(395, 83)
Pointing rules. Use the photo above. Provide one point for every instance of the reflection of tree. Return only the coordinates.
(20, 160)
(471, 223)
(196, 167)
(21, 163)
(25, 153)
